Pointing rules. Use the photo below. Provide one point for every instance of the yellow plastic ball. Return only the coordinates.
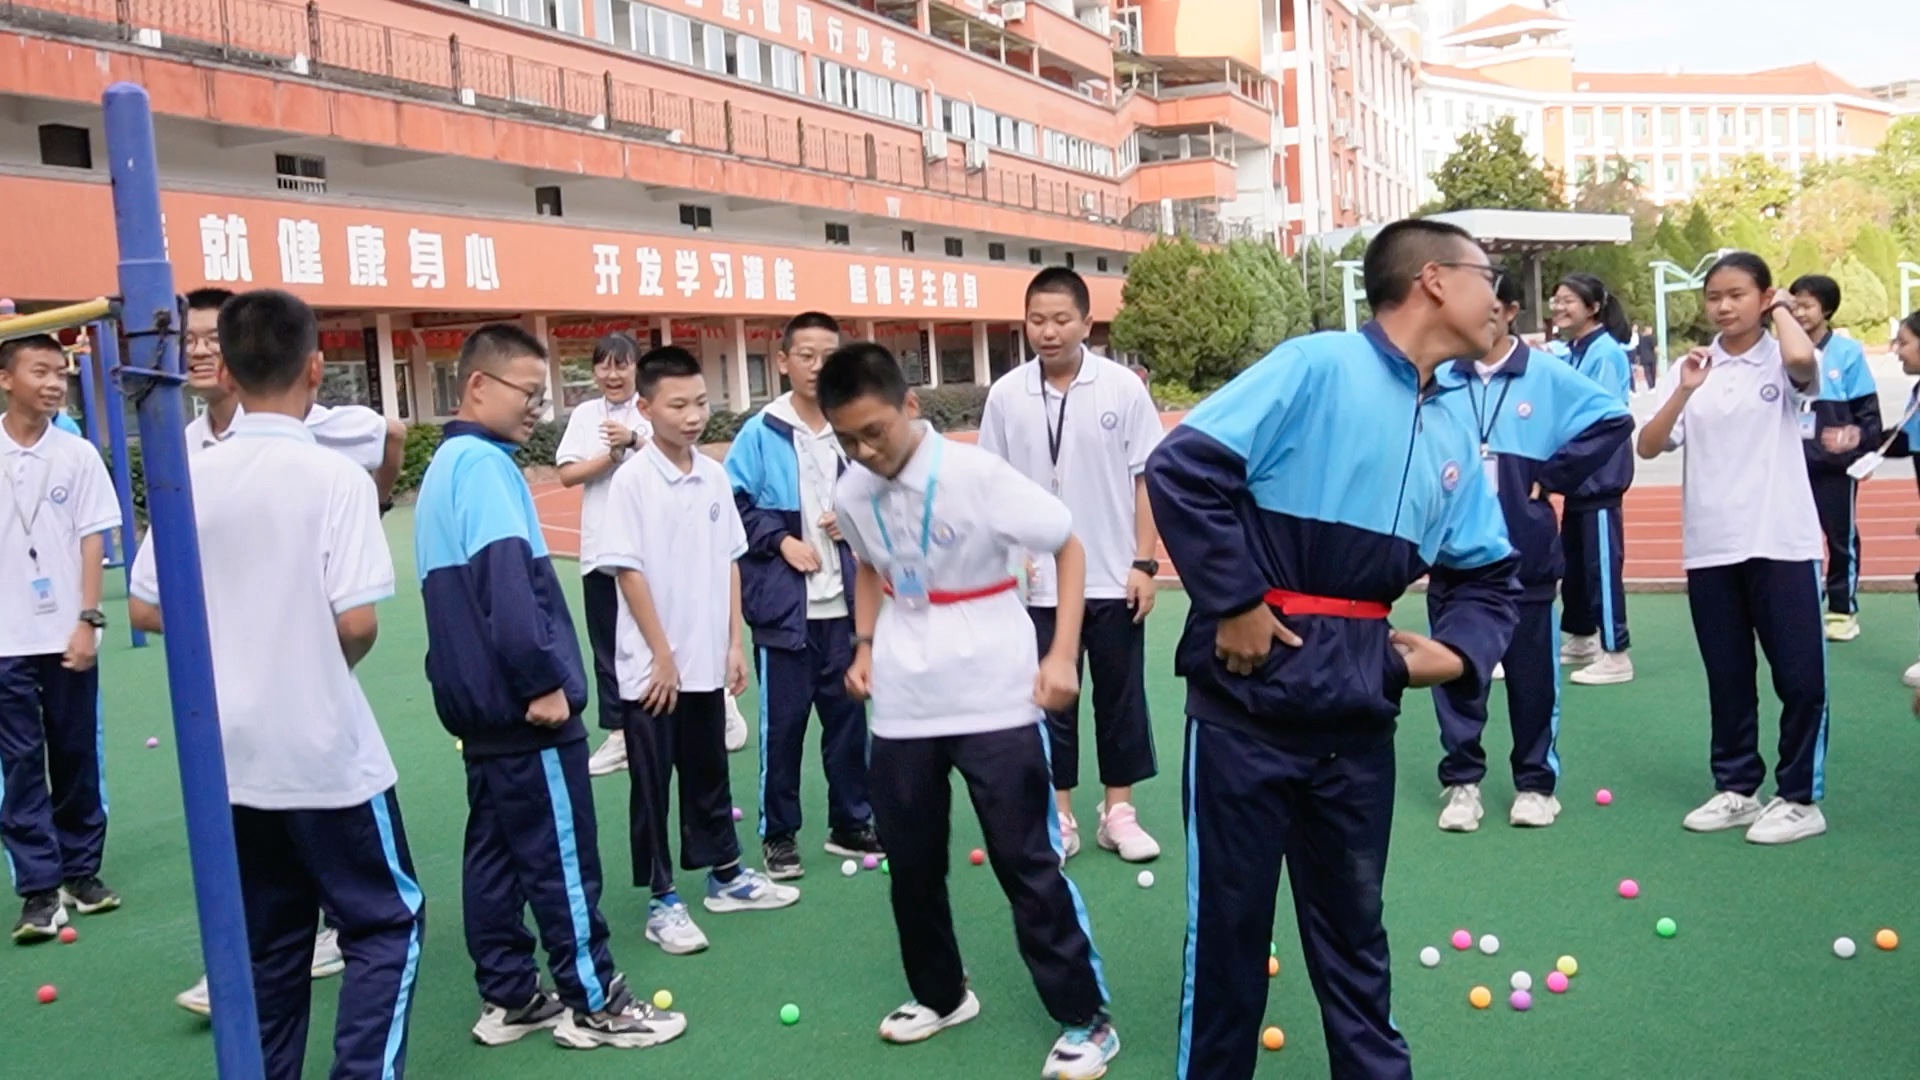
(1887, 940)
(1480, 996)
(1273, 966)
(1273, 1038)
(1568, 966)
(663, 999)
(459, 745)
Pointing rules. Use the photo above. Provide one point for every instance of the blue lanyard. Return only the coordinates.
(926, 508)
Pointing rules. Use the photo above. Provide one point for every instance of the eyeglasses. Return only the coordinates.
(807, 359)
(1494, 274)
(617, 363)
(536, 399)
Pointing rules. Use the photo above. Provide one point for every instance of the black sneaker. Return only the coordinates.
(41, 917)
(499, 1025)
(783, 858)
(89, 895)
(627, 1023)
(853, 843)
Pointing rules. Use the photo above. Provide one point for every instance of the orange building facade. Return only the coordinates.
(694, 171)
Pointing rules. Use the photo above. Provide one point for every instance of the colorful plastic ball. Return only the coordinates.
(1887, 940)
(1145, 879)
(459, 746)
(789, 1014)
(152, 743)
(886, 867)
(1629, 889)
(1666, 928)
(1520, 1000)
(48, 995)
(849, 868)
(1273, 1038)
(1273, 966)
(1843, 947)
(869, 862)
(1521, 981)
(976, 856)
(1557, 982)
(737, 815)
(663, 999)
(1568, 966)
(1429, 957)
(1462, 940)
(1489, 944)
(1603, 797)
(68, 935)
(1480, 997)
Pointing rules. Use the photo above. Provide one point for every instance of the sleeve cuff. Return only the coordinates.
(620, 562)
(144, 596)
(363, 598)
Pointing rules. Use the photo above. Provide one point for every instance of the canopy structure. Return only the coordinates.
(1529, 234)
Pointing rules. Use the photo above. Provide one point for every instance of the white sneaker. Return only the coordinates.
(736, 727)
(611, 757)
(1120, 831)
(750, 891)
(327, 959)
(914, 1022)
(1533, 810)
(1727, 810)
(1579, 650)
(1843, 627)
(1611, 669)
(1499, 672)
(1463, 810)
(1783, 822)
(1069, 836)
(670, 927)
(195, 999)
(1082, 1053)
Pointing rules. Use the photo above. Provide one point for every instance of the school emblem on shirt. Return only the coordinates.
(1769, 393)
(943, 534)
(1450, 476)
(1109, 420)
(58, 496)
(713, 512)
(1525, 410)
(1834, 374)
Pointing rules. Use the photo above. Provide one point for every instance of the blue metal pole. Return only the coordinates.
(151, 314)
(106, 352)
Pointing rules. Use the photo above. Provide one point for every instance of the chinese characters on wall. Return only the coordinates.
(227, 258)
(768, 17)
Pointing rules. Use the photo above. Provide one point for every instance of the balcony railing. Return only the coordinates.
(303, 41)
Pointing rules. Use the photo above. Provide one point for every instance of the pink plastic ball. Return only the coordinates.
(1603, 797)
(870, 862)
(1521, 1001)
(1629, 889)
(1462, 940)
(1557, 983)
(737, 815)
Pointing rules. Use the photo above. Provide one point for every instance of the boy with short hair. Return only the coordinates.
(795, 590)
(1082, 426)
(290, 534)
(1842, 425)
(946, 651)
(59, 504)
(507, 679)
(673, 537)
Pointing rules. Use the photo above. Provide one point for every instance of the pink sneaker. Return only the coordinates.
(1120, 831)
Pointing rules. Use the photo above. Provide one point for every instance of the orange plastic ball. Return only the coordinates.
(1481, 997)
(1273, 1038)
(1273, 966)
(1887, 940)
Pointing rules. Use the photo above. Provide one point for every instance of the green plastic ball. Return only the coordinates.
(789, 1014)
(1666, 928)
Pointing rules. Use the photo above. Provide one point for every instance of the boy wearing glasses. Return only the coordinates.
(794, 593)
(508, 680)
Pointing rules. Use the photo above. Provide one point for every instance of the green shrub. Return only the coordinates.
(1176, 397)
(724, 425)
(422, 441)
(541, 446)
(952, 408)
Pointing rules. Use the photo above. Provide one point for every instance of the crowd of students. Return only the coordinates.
(934, 603)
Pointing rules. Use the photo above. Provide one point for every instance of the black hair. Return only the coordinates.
(1397, 253)
(208, 299)
(862, 369)
(1821, 288)
(807, 320)
(492, 347)
(1507, 289)
(616, 346)
(1912, 323)
(665, 362)
(266, 338)
(30, 343)
(1748, 263)
(1607, 308)
(1064, 281)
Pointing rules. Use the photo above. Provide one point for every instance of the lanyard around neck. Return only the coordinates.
(1483, 423)
(25, 519)
(1057, 429)
(926, 507)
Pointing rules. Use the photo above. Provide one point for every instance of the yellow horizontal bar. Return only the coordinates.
(60, 318)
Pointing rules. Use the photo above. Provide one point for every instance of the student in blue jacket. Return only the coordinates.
(1299, 502)
(508, 680)
(1542, 428)
(796, 585)
(1594, 595)
(1841, 427)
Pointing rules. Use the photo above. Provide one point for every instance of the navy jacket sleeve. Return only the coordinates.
(500, 558)
(1474, 585)
(746, 461)
(1586, 453)
(1198, 480)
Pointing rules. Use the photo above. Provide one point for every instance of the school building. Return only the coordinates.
(693, 171)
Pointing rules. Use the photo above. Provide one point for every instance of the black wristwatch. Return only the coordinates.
(1149, 567)
(95, 618)
(862, 639)
(385, 507)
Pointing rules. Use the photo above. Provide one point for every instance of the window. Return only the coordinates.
(906, 241)
(619, 23)
(1670, 128)
(1673, 174)
(1069, 260)
(1583, 171)
(786, 68)
(953, 117)
(669, 37)
(1429, 162)
(955, 248)
(743, 58)
(1583, 126)
(1642, 126)
(1726, 125)
(1100, 264)
(1078, 154)
(1699, 172)
(697, 218)
(1035, 257)
(301, 172)
(870, 94)
(839, 234)
(997, 252)
(69, 147)
(1750, 129)
(546, 201)
(713, 49)
(1777, 129)
(1610, 125)
(1804, 120)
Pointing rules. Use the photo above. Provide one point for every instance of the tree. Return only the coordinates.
(1802, 259)
(1751, 185)
(1491, 168)
(1702, 237)
(1832, 213)
(1894, 171)
(1875, 247)
(1745, 232)
(1865, 309)
(1280, 300)
(1188, 311)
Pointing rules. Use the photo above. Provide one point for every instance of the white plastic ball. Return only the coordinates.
(1843, 948)
(1522, 981)
(1489, 944)
(1429, 957)
(849, 868)
(1145, 879)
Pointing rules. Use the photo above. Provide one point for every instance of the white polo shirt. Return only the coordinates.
(1745, 490)
(53, 494)
(582, 442)
(683, 532)
(290, 537)
(951, 669)
(1106, 425)
(353, 430)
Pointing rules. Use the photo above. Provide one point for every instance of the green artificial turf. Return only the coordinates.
(1749, 984)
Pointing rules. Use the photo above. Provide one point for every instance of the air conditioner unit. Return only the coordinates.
(1089, 202)
(1342, 130)
(1342, 60)
(1346, 202)
(1013, 10)
(933, 144)
(1125, 39)
(977, 156)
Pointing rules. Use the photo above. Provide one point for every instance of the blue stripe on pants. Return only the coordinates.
(1052, 811)
(410, 896)
(570, 868)
(1193, 902)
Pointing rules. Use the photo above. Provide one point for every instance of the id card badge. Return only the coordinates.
(1865, 466)
(1490, 468)
(1807, 426)
(43, 601)
(910, 579)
